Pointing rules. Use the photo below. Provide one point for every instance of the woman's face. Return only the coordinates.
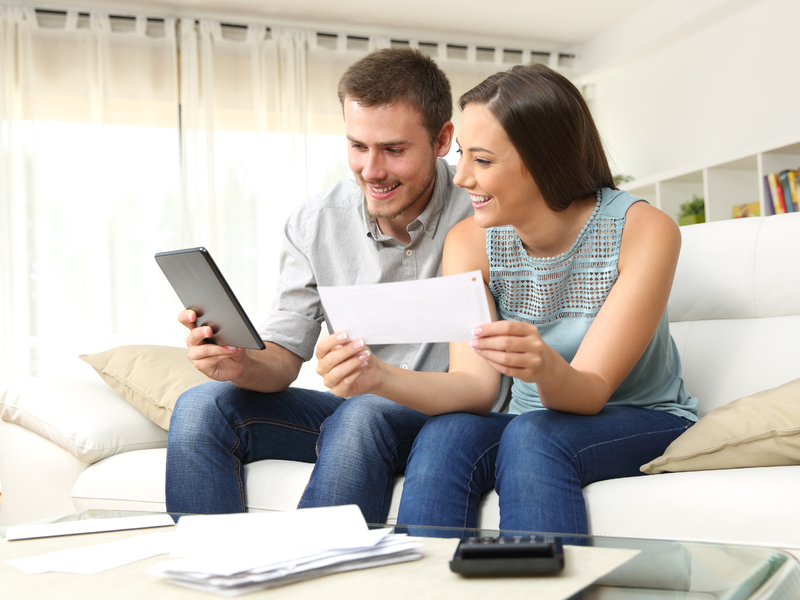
(491, 170)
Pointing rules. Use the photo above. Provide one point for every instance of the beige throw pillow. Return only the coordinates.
(149, 377)
(755, 431)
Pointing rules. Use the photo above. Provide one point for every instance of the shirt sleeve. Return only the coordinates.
(294, 321)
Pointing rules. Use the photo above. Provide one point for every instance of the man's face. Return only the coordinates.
(393, 159)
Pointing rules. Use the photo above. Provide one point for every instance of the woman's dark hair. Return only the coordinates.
(396, 75)
(551, 127)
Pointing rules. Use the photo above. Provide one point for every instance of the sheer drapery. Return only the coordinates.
(89, 184)
(122, 138)
(245, 130)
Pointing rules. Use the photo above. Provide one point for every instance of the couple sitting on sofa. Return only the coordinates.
(578, 271)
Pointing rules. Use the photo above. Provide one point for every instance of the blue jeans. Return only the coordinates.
(537, 461)
(358, 446)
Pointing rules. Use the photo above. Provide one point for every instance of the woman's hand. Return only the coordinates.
(221, 363)
(347, 368)
(512, 348)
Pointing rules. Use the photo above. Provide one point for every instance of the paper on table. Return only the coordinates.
(238, 553)
(24, 532)
(303, 575)
(270, 555)
(252, 573)
(332, 527)
(440, 309)
(98, 557)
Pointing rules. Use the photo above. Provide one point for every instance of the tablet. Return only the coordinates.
(201, 287)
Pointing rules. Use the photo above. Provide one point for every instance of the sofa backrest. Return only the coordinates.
(734, 309)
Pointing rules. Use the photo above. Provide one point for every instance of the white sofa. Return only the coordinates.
(75, 444)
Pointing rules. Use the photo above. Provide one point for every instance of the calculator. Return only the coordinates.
(508, 555)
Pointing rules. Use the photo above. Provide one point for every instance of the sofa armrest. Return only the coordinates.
(84, 417)
(38, 476)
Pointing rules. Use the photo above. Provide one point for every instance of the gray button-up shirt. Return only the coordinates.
(330, 239)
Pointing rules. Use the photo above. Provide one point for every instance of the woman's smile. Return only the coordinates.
(479, 201)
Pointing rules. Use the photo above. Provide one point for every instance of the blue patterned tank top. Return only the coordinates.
(562, 295)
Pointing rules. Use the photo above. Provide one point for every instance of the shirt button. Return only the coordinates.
(405, 366)
(409, 252)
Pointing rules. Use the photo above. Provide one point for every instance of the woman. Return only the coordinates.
(580, 274)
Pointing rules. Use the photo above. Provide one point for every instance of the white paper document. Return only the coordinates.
(267, 532)
(240, 574)
(98, 557)
(440, 309)
(240, 553)
(24, 532)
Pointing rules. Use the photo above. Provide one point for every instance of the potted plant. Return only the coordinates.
(692, 211)
(621, 178)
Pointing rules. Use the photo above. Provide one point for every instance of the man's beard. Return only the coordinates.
(414, 196)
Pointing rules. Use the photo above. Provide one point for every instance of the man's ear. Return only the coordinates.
(444, 139)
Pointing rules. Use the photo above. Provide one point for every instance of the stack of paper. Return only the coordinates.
(237, 554)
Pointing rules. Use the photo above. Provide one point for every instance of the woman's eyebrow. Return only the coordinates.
(476, 148)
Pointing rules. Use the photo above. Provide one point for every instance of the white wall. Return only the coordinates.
(692, 83)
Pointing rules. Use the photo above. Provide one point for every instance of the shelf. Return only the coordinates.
(722, 185)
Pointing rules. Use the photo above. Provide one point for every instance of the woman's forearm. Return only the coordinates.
(567, 389)
(438, 393)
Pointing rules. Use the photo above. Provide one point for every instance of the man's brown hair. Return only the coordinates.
(400, 75)
(550, 125)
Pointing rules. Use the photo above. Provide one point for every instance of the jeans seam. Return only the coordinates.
(316, 451)
(661, 431)
(316, 444)
(238, 470)
(260, 420)
(471, 476)
(391, 479)
(241, 485)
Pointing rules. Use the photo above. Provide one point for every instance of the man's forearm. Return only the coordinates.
(270, 370)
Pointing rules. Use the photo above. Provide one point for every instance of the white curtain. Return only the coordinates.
(245, 129)
(90, 180)
(122, 138)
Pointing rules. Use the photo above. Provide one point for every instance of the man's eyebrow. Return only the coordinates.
(386, 144)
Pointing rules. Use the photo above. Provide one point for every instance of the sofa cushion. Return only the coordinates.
(149, 377)
(729, 506)
(82, 415)
(127, 481)
(755, 431)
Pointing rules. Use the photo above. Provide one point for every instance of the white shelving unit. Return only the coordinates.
(723, 185)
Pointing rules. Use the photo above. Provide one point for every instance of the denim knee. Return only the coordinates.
(441, 442)
(371, 424)
(361, 413)
(532, 433)
(197, 412)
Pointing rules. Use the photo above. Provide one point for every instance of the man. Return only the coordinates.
(388, 225)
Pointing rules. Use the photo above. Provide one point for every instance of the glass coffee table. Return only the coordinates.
(661, 569)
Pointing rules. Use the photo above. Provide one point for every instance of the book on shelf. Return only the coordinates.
(781, 192)
(776, 190)
(788, 179)
(751, 209)
(769, 205)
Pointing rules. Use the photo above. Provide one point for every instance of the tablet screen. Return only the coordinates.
(201, 287)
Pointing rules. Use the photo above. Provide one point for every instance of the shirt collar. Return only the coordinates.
(429, 219)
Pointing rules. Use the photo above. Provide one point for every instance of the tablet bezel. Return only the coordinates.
(201, 287)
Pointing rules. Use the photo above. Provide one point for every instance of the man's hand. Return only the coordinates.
(221, 363)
